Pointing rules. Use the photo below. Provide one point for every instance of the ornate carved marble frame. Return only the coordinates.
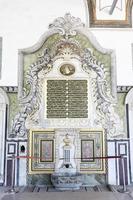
(38, 141)
(92, 165)
(94, 22)
(74, 26)
(66, 27)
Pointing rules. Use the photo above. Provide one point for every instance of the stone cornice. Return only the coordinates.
(14, 89)
(11, 89)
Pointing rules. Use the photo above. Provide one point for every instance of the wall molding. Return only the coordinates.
(124, 89)
(11, 89)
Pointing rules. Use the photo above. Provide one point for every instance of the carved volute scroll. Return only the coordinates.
(30, 102)
(103, 96)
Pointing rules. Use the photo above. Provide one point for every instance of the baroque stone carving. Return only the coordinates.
(67, 48)
(104, 101)
(67, 26)
(30, 102)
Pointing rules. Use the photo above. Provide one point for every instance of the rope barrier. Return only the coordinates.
(88, 158)
(102, 157)
(28, 157)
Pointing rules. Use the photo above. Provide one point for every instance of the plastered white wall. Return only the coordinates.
(22, 22)
(111, 164)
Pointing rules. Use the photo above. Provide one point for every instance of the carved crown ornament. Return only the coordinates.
(31, 100)
(67, 25)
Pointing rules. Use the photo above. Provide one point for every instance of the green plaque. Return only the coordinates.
(67, 99)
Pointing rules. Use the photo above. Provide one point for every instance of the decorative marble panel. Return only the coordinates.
(14, 107)
(87, 150)
(41, 152)
(46, 151)
(92, 147)
(11, 148)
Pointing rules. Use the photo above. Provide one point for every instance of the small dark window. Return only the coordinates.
(22, 149)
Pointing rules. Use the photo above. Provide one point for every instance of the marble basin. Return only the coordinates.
(67, 181)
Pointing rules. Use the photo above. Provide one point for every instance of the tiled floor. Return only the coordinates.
(49, 193)
(67, 196)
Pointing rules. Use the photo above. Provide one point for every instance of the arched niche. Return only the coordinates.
(129, 108)
(4, 103)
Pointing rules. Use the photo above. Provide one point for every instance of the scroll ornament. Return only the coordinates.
(30, 102)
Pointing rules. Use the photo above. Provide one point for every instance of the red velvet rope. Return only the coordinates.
(103, 157)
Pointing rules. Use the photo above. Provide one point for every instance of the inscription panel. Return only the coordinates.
(56, 98)
(67, 99)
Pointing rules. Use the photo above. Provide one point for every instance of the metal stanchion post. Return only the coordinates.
(124, 180)
(12, 189)
(13, 174)
(124, 189)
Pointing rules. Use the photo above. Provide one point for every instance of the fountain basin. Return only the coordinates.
(67, 181)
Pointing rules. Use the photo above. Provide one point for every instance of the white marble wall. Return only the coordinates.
(131, 138)
(111, 164)
(3, 103)
(129, 102)
(2, 140)
(22, 164)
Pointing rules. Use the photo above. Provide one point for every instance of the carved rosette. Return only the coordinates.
(30, 102)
